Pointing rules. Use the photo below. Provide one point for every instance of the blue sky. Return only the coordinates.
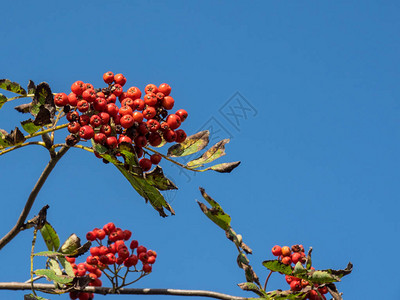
(319, 146)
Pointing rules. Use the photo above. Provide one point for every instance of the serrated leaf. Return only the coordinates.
(10, 86)
(43, 117)
(33, 297)
(157, 178)
(287, 295)
(192, 144)
(52, 276)
(15, 137)
(81, 250)
(23, 108)
(277, 266)
(210, 155)
(29, 126)
(224, 167)
(3, 99)
(215, 213)
(50, 237)
(66, 265)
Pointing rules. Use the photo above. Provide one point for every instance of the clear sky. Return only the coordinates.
(319, 141)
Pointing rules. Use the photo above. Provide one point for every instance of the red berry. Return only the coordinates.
(277, 250)
(151, 260)
(295, 257)
(139, 151)
(112, 109)
(295, 285)
(165, 89)
(83, 106)
(127, 121)
(286, 251)
(86, 132)
(155, 159)
(108, 77)
(155, 139)
(73, 127)
(182, 114)
(286, 260)
(169, 136)
(173, 121)
(70, 259)
(143, 128)
(78, 87)
(96, 121)
(112, 142)
(168, 102)
(89, 95)
(111, 98)
(138, 104)
(127, 234)
(137, 116)
(149, 112)
(117, 90)
(106, 129)
(134, 93)
(84, 296)
(84, 120)
(125, 110)
(134, 244)
(140, 141)
(100, 104)
(120, 79)
(180, 136)
(145, 164)
(150, 99)
(73, 99)
(147, 268)
(100, 138)
(124, 138)
(153, 125)
(61, 99)
(151, 88)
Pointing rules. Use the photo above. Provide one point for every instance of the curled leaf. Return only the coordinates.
(224, 167)
(157, 178)
(210, 155)
(10, 86)
(192, 144)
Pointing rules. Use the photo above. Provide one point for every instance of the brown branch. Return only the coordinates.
(28, 205)
(105, 291)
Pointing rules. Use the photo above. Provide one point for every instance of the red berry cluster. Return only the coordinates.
(94, 114)
(293, 255)
(116, 254)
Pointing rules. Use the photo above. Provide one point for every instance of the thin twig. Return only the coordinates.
(28, 205)
(22, 145)
(105, 291)
(32, 254)
(266, 280)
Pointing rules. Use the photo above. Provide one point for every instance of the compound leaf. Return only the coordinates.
(192, 144)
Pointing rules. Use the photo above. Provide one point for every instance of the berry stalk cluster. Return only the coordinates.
(113, 258)
(94, 114)
(293, 255)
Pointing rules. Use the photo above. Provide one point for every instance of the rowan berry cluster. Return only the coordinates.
(94, 114)
(111, 258)
(293, 255)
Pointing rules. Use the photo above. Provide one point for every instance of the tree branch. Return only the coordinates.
(28, 205)
(105, 291)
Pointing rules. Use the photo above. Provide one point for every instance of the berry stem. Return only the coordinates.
(19, 97)
(59, 115)
(32, 197)
(266, 281)
(173, 161)
(22, 145)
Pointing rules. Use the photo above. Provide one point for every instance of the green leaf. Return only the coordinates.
(286, 295)
(321, 277)
(242, 259)
(29, 126)
(49, 254)
(14, 87)
(192, 144)
(72, 243)
(157, 178)
(13, 138)
(215, 213)
(341, 273)
(252, 287)
(33, 297)
(31, 87)
(141, 185)
(66, 265)
(52, 276)
(308, 259)
(277, 266)
(3, 99)
(299, 269)
(224, 167)
(55, 266)
(50, 237)
(210, 155)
